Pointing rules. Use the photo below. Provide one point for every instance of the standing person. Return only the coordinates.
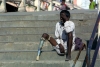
(62, 6)
(92, 4)
(44, 5)
(65, 36)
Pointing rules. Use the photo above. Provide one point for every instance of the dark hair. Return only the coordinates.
(63, 0)
(66, 12)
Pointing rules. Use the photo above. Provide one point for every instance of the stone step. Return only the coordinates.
(43, 23)
(45, 63)
(20, 34)
(49, 17)
(39, 63)
(10, 59)
(45, 16)
(34, 37)
(28, 23)
(85, 22)
(40, 30)
(82, 16)
(45, 55)
(27, 31)
(21, 38)
(50, 12)
(8, 29)
(24, 46)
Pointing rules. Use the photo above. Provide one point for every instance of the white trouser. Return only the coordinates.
(64, 44)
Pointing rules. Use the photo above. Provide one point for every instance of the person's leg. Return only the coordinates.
(54, 43)
(50, 39)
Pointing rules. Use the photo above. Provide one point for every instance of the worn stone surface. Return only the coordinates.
(20, 34)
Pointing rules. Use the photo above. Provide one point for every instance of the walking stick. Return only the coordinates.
(83, 46)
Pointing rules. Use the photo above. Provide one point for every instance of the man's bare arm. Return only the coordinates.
(69, 43)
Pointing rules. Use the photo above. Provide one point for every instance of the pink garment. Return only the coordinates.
(63, 7)
(56, 8)
(75, 2)
(59, 7)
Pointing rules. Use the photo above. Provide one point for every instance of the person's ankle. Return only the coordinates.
(68, 57)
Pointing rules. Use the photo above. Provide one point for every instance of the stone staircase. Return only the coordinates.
(20, 34)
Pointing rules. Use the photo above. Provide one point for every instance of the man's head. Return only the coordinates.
(63, 2)
(64, 15)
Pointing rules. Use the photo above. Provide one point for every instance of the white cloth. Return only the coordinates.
(57, 49)
(62, 7)
(61, 33)
(83, 3)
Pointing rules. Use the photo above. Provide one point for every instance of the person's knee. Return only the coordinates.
(45, 35)
(57, 48)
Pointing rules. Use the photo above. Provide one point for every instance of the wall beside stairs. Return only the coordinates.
(20, 34)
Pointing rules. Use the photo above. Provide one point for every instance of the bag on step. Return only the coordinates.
(78, 43)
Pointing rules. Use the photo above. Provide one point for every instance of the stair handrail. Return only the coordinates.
(95, 54)
(97, 47)
(90, 43)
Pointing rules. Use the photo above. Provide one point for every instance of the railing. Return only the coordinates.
(87, 57)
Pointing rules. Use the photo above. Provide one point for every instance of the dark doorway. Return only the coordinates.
(11, 8)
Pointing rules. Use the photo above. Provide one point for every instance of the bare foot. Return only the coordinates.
(67, 57)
